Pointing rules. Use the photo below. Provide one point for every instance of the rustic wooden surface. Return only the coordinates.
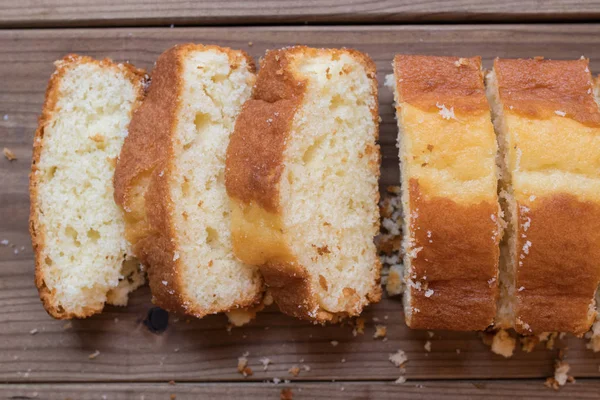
(54, 361)
(83, 13)
(491, 390)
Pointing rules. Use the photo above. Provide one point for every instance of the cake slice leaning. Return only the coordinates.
(452, 221)
(81, 256)
(548, 125)
(302, 172)
(170, 181)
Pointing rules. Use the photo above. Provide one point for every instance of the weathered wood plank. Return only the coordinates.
(82, 13)
(204, 350)
(497, 390)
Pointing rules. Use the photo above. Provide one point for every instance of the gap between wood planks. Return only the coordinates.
(154, 13)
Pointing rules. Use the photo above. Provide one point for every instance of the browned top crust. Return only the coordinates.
(459, 255)
(428, 81)
(255, 153)
(558, 272)
(537, 88)
(142, 180)
(137, 77)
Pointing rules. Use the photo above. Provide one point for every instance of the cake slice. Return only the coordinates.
(170, 181)
(548, 125)
(302, 172)
(451, 227)
(82, 259)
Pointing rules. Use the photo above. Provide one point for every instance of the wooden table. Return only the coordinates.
(43, 358)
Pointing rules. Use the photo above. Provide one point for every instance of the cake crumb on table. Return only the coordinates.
(294, 371)
(10, 156)
(501, 343)
(380, 331)
(265, 362)
(399, 358)
(94, 355)
(427, 346)
(242, 366)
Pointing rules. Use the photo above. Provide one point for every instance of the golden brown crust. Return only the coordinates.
(137, 77)
(538, 88)
(459, 255)
(253, 171)
(558, 271)
(427, 82)
(142, 180)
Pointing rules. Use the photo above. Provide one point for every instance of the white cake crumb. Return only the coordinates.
(398, 358)
(445, 112)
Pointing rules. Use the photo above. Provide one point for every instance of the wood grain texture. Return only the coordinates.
(82, 13)
(202, 350)
(495, 390)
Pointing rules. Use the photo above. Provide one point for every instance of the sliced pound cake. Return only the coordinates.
(77, 230)
(548, 125)
(302, 171)
(449, 193)
(170, 181)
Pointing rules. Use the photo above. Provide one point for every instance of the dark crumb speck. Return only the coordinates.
(157, 320)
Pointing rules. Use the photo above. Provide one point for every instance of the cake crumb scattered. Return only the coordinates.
(594, 336)
(430, 334)
(242, 366)
(94, 355)
(380, 331)
(528, 343)
(334, 343)
(427, 346)
(265, 363)
(561, 376)
(294, 371)
(399, 358)
(395, 284)
(400, 380)
(33, 331)
(503, 344)
(10, 156)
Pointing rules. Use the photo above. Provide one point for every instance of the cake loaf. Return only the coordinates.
(170, 181)
(302, 172)
(82, 259)
(548, 124)
(451, 227)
